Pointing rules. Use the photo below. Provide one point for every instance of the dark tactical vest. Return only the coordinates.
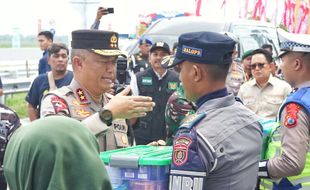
(301, 97)
(188, 170)
(137, 63)
(152, 126)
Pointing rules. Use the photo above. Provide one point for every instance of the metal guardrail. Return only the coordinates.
(14, 86)
(16, 76)
(16, 69)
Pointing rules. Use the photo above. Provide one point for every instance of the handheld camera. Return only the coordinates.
(110, 10)
(122, 74)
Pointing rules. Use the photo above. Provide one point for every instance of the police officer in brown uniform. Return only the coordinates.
(94, 54)
(288, 155)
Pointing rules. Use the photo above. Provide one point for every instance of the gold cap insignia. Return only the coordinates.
(113, 41)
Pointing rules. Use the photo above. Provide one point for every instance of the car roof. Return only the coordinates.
(168, 30)
(172, 26)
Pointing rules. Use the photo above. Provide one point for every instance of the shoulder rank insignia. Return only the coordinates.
(291, 116)
(180, 150)
(191, 120)
(81, 95)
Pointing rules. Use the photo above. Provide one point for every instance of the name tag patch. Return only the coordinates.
(197, 52)
(185, 182)
(147, 81)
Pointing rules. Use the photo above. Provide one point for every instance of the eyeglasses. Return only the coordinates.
(259, 65)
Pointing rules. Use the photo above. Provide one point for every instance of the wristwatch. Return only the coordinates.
(106, 116)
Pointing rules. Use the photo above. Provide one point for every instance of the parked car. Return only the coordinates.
(252, 34)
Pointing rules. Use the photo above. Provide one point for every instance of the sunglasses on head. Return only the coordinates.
(259, 65)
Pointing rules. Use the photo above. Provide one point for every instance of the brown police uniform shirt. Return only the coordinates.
(235, 77)
(75, 102)
(266, 101)
(295, 143)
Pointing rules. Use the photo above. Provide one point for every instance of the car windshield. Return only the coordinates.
(168, 30)
(255, 36)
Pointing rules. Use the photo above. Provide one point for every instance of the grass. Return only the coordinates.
(17, 102)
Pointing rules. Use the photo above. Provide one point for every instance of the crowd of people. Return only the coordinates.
(196, 97)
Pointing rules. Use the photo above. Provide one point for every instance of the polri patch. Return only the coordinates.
(291, 116)
(147, 81)
(180, 150)
(172, 85)
(60, 106)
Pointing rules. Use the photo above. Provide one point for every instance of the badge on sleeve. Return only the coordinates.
(180, 150)
(291, 116)
(172, 85)
(60, 106)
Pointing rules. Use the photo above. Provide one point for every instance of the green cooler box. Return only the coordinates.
(138, 168)
(268, 126)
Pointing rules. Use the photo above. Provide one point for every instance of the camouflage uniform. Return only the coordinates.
(177, 108)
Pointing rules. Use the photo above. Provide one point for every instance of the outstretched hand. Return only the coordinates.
(127, 107)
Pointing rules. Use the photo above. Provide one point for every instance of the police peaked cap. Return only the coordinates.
(293, 42)
(98, 41)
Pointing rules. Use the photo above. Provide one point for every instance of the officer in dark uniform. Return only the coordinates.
(219, 146)
(158, 83)
(139, 61)
(94, 54)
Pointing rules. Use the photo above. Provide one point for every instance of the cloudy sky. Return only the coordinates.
(66, 15)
